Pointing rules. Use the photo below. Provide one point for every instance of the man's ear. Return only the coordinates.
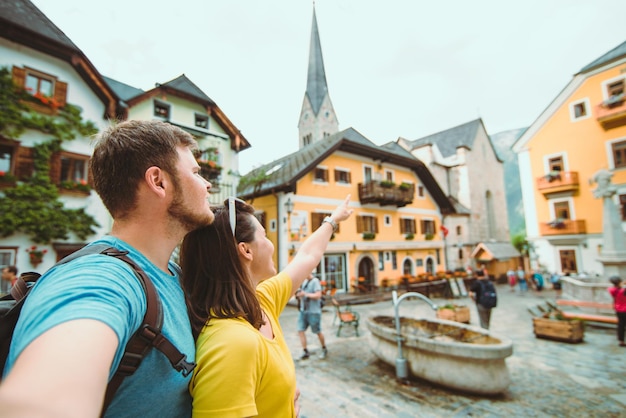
(245, 250)
(156, 180)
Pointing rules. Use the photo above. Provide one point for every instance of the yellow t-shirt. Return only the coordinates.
(240, 372)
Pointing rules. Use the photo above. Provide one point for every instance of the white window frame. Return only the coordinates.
(572, 112)
(371, 170)
(609, 153)
(605, 86)
(548, 157)
(570, 204)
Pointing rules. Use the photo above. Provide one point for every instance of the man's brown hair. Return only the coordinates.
(124, 152)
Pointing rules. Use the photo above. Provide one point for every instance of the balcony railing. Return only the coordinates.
(563, 227)
(559, 181)
(386, 194)
(612, 113)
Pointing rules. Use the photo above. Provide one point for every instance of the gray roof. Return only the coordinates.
(500, 250)
(283, 174)
(26, 16)
(459, 208)
(449, 140)
(316, 86)
(123, 91)
(183, 84)
(614, 54)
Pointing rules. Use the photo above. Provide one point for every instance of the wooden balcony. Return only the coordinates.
(383, 194)
(612, 113)
(563, 227)
(560, 181)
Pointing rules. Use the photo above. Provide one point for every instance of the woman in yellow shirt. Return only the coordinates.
(244, 365)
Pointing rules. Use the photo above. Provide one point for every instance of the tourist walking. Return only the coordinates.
(483, 292)
(310, 303)
(521, 280)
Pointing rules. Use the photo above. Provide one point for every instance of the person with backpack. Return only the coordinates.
(310, 303)
(235, 298)
(79, 316)
(483, 292)
(619, 304)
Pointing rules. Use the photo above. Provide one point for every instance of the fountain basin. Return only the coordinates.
(447, 353)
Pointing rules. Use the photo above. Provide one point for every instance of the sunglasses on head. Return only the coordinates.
(231, 203)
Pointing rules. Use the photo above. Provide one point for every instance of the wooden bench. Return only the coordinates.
(586, 316)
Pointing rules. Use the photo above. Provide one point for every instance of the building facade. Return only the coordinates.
(398, 210)
(181, 103)
(42, 61)
(582, 131)
(468, 169)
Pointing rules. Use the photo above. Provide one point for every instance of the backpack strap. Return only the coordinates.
(149, 333)
(147, 336)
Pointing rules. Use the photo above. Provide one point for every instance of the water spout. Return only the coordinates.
(401, 366)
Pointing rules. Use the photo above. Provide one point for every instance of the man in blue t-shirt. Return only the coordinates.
(77, 320)
(310, 298)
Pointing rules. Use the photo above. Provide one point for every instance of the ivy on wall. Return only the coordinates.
(32, 206)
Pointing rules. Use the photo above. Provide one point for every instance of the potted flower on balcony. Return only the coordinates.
(558, 223)
(368, 236)
(409, 236)
(76, 185)
(552, 176)
(387, 184)
(35, 255)
(7, 179)
(405, 186)
(429, 237)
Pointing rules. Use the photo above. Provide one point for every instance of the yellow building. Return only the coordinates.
(398, 209)
(582, 131)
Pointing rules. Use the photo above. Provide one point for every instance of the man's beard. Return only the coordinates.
(186, 218)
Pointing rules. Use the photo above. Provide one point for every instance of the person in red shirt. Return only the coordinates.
(9, 274)
(619, 304)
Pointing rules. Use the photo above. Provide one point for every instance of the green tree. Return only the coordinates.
(32, 206)
(520, 243)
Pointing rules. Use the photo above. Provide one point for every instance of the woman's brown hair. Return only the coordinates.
(215, 283)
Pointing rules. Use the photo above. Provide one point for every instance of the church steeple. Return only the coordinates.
(317, 117)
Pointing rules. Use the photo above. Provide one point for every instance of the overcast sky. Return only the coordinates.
(405, 68)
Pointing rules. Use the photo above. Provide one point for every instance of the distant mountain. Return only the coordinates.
(502, 142)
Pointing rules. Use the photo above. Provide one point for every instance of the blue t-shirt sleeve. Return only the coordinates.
(96, 287)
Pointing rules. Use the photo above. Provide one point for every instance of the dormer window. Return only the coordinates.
(161, 110)
(202, 121)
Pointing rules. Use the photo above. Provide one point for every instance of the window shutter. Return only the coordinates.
(326, 176)
(19, 76)
(403, 226)
(24, 162)
(316, 220)
(349, 175)
(55, 168)
(375, 220)
(359, 224)
(336, 175)
(60, 93)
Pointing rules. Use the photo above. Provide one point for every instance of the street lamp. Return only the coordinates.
(288, 207)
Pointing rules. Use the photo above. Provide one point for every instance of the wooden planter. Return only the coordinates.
(570, 331)
(458, 314)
